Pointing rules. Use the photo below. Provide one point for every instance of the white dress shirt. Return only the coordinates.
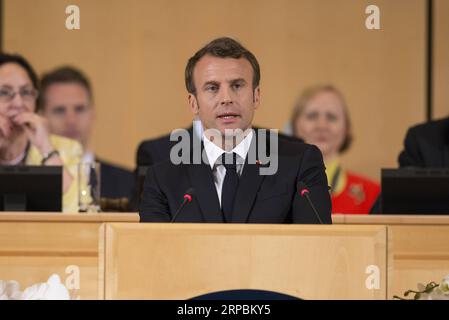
(214, 153)
(88, 157)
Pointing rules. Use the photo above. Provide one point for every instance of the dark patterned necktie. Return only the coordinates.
(229, 188)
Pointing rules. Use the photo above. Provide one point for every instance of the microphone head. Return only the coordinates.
(189, 194)
(302, 188)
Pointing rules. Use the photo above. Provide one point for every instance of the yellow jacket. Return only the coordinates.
(71, 153)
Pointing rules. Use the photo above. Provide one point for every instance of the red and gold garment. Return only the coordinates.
(351, 193)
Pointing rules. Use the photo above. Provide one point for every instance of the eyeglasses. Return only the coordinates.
(7, 95)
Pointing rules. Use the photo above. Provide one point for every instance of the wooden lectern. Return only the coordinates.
(181, 261)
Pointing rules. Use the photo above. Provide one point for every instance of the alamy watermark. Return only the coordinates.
(372, 22)
(372, 281)
(72, 21)
(72, 281)
(189, 149)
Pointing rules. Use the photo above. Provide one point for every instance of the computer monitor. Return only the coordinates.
(31, 188)
(415, 191)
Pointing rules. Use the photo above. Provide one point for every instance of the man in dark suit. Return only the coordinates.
(427, 145)
(156, 150)
(232, 181)
(66, 100)
(116, 182)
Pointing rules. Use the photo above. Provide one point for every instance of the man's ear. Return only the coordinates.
(193, 104)
(256, 97)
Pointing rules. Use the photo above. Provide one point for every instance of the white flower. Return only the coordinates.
(437, 294)
(53, 289)
(9, 290)
(444, 286)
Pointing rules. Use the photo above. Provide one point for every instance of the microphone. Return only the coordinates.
(304, 192)
(188, 196)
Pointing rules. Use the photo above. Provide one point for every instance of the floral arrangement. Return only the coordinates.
(430, 291)
(53, 289)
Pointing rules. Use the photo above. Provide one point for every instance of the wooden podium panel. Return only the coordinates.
(131, 260)
(31, 251)
(181, 261)
(34, 245)
(68, 217)
(390, 219)
(416, 254)
(418, 247)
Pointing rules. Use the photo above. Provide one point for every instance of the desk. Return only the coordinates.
(35, 245)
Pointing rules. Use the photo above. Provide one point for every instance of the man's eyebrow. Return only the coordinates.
(210, 82)
(237, 80)
(6, 86)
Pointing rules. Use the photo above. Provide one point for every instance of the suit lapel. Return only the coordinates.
(246, 193)
(249, 185)
(202, 181)
(205, 192)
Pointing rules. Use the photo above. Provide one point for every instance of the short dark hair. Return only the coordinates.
(21, 61)
(223, 47)
(65, 74)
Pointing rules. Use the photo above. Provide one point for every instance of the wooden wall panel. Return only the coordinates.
(135, 52)
(441, 59)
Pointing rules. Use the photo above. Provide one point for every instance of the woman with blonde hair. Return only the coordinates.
(320, 117)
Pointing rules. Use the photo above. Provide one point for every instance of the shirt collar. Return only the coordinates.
(214, 152)
(88, 157)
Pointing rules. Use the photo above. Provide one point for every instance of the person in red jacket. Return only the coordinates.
(320, 117)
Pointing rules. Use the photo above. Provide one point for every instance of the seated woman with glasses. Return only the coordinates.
(24, 135)
(320, 117)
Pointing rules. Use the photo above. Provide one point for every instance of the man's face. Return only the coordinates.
(225, 98)
(69, 111)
